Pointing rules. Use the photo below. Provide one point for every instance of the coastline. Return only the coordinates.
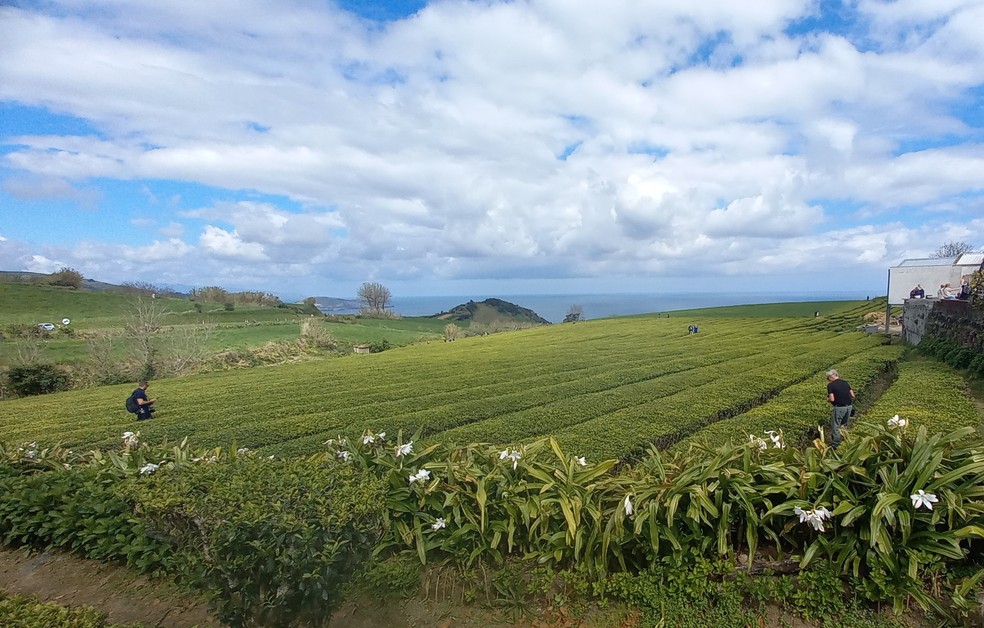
(553, 307)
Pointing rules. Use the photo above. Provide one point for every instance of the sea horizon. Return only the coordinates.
(554, 307)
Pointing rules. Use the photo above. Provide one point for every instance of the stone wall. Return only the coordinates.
(943, 318)
(915, 313)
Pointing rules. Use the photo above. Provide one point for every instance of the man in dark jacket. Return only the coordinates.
(145, 406)
(841, 398)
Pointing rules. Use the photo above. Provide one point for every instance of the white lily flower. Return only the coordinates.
(420, 476)
(242, 450)
(368, 439)
(815, 517)
(382, 436)
(515, 455)
(270, 457)
(757, 442)
(130, 439)
(405, 450)
(344, 455)
(628, 506)
(440, 524)
(921, 498)
(775, 437)
(581, 461)
(898, 422)
(149, 468)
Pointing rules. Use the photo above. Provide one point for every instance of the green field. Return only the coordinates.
(242, 328)
(608, 387)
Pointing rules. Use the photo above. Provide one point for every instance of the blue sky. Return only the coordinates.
(490, 148)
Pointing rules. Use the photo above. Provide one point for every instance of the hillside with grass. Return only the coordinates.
(670, 478)
(610, 387)
(224, 331)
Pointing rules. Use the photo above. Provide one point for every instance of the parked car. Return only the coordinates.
(47, 326)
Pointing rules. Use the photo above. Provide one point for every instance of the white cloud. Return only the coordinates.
(226, 244)
(701, 137)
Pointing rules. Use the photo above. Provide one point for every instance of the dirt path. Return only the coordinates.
(62, 578)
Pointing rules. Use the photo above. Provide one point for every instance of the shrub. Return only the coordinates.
(960, 358)
(68, 277)
(37, 379)
(271, 542)
(308, 526)
(19, 610)
(976, 365)
(379, 347)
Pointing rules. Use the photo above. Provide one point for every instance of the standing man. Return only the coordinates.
(145, 406)
(841, 398)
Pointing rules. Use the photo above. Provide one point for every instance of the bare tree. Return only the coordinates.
(143, 326)
(451, 332)
(30, 351)
(375, 297)
(186, 347)
(103, 366)
(953, 249)
(574, 314)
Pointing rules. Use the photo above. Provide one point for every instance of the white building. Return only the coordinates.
(930, 272)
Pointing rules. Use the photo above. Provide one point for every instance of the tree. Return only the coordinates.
(451, 332)
(67, 277)
(953, 249)
(574, 314)
(143, 327)
(375, 298)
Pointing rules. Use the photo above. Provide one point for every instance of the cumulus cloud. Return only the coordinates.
(543, 139)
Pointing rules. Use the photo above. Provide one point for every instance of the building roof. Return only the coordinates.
(928, 261)
(970, 259)
(966, 259)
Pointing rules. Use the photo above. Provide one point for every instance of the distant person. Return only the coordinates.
(964, 290)
(913, 292)
(690, 329)
(920, 293)
(139, 404)
(696, 329)
(841, 398)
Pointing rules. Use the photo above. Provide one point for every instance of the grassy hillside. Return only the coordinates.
(605, 388)
(240, 328)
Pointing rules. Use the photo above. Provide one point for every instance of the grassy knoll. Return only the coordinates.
(927, 393)
(241, 328)
(606, 387)
(781, 310)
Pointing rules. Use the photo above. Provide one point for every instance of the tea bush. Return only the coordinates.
(268, 541)
(18, 611)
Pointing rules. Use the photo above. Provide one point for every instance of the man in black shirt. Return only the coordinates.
(145, 406)
(841, 397)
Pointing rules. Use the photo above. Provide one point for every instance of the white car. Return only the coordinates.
(47, 326)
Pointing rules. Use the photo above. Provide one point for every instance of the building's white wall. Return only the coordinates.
(902, 279)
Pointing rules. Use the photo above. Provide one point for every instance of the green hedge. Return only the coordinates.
(18, 611)
(266, 540)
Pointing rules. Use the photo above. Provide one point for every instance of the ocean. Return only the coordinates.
(554, 307)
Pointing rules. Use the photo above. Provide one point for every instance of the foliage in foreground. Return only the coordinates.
(267, 540)
(18, 611)
(894, 506)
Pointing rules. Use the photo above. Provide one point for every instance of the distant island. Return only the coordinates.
(489, 310)
(335, 304)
